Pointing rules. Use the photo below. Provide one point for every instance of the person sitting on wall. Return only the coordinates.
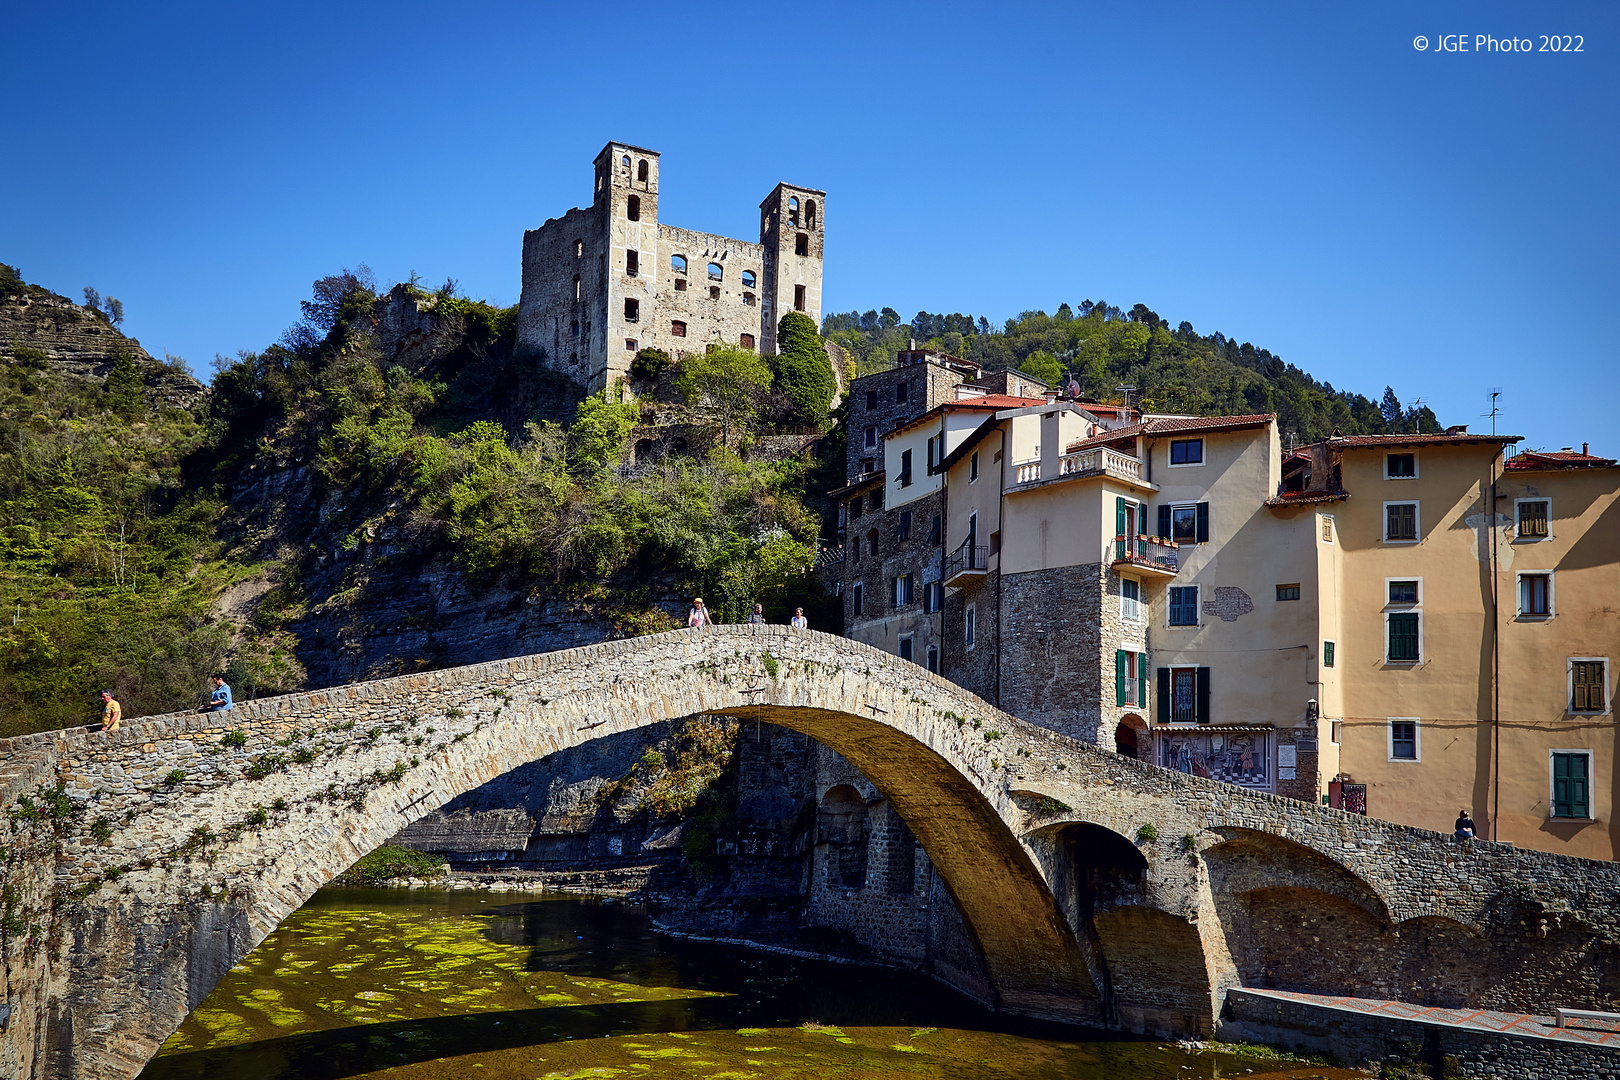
(698, 617)
(220, 699)
(1465, 825)
(757, 618)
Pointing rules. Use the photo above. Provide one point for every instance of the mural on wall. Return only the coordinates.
(1233, 757)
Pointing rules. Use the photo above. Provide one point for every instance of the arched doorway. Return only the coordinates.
(1132, 739)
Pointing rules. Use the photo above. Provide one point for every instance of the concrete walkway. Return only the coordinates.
(1480, 1020)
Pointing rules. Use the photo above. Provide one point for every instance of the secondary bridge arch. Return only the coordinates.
(150, 860)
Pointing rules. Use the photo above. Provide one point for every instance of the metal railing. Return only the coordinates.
(967, 559)
(1150, 551)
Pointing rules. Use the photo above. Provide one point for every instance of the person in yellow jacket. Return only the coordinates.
(112, 713)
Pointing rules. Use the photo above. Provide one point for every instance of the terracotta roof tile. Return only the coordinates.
(1462, 438)
(1558, 459)
(1174, 426)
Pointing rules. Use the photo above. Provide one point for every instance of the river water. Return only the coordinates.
(441, 984)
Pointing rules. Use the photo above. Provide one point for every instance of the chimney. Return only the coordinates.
(1457, 429)
(1051, 396)
(1584, 447)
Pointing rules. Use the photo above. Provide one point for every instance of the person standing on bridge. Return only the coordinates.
(757, 618)
(799, 622)
(698, 617)
(220, 699)
(112, 713)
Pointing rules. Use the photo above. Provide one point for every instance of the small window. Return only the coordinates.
(1535, 595)
(1405, 633)
(680, 284)
(871, 436)
(641, 170)
(1327, 657)
(1288, 592)
(576, 286)
(632, 208)
(1403, 740)
(1186, 451)
(573, 328)
(1588, 686)
(716, 272)
(625, 161)
(748, 299)
(933, 659)
(1400, 466)
(1130, 599)
(858, 598)
(801, 244)
(714, 292)
(1571, 783)
(933, 532)
(902, 531)
(630, 344)
(1327, 528)
(1130, 678)
(1401, 522)
(677, 329)
(933, 597)
(900, 391)
(1336, 732)
(970, 626)
(1532, 519)
(1405, 592)
(871, 534)
(869, 465)
(1184, 605)
(871, 399)
(810, 212)
(905, 647)
(748, 279)
(798, 298)
(632, 263)
(632, 310)
(973, 467)
(579, 249)
(903, 589)
(677, 263)
(905, 468)
(793, 209)
(748, 342)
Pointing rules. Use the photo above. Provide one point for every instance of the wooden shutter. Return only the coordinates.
(1587, 680)
(1203, 523)
(1164, 695)
(1202, 712)
(1141, 680)
(1119, 517)
(1119, 676)
(1570, 794)
(1164, 521)
(1403, 638)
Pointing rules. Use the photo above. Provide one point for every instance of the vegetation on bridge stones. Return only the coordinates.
(388, 862)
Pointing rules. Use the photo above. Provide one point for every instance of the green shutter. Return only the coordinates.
(1119, 517)
(1327, 654)
(1119, 676)
(1163, 708)
(1164, 522)
(1202, 690)
(1403, 638)
(1570, 795)
(1203, 523)
(1141, 680)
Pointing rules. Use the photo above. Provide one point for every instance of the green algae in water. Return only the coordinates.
(432, 985)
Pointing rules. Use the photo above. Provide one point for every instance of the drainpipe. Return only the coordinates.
(1496, 658)
(1001, 521)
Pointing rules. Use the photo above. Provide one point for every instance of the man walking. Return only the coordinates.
(758, 616)
(112, 713)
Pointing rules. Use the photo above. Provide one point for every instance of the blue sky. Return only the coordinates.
(1295, 175)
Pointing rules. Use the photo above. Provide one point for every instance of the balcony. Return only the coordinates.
(1152, 554)
(1098, 461)
(966, 565)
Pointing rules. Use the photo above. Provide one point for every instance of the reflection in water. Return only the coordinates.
(438, 984)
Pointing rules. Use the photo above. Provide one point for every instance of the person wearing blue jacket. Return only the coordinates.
(220, 699)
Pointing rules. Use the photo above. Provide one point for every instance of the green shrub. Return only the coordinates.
(178, 776)
(391, 862)
(650, 363)
(803, 371)
(235, 738)
(1147, 834)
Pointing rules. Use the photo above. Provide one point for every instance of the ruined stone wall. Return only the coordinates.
(569, 330)
(792, 236)
(725, 310)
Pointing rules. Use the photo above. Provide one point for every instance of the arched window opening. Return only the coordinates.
(748, 299)
(801, 244)
(632, 208)
(573, 358)
(810, 212)
(579, 249)
(641, 170)
(677, 263)
(748, 342)
(625, 161)
(677, 329)
(716, 272)
(644, 451)
(871, 543)
(576, 286)
(748, 279)
(842, 826)
(632, 310)
(793, 210)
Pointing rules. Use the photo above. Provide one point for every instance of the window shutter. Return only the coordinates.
(1580, 702)
(1203, 523)
(1119, 676)
(1164, 696)
(1203, 695)
(1141, 680)
(1119, 517)
(1164, 521)
(933, 532)
(1403, 638)
(1577, 786)
(1560, 792)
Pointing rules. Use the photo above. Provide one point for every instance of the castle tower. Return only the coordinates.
(626, 201)
(791, 230)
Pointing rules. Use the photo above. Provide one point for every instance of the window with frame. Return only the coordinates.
(1535, 595)
(1186, 451)
(1400, 466)
(871, 399)
(1183, 695)
(1405, 633)
(973, 467)
(1130, 598)
(1403, 740)
(1401, 521)
(970, 626)
(1571, 775)
(1327, 653)
(905, 468)
(1532, 519)
(902, 531)
(1184, 605)
(1185, 523)
(870, 435)
(677, 329)
(858, 599)
(1327, 528)
(1336, 732)
(1588, 686)
(1288, 592)
(933, 659)
(1405, 592)
(905, 647)
(903, 590)
(933, 597)
(629, 344)
(1130, 678)
(798, 298)
(933, 532)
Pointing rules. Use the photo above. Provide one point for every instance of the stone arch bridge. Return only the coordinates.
(141, 865)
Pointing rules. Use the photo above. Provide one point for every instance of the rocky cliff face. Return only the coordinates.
(79, 341)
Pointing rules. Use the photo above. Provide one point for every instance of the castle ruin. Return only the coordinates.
(603, 282)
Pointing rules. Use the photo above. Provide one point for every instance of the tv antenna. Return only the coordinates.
(1127, 391)
(1495, 392)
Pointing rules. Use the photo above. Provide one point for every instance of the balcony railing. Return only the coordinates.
(965, 563)
(1098, 460)
(1147, 553)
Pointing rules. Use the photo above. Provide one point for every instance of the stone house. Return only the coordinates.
(602, 282)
